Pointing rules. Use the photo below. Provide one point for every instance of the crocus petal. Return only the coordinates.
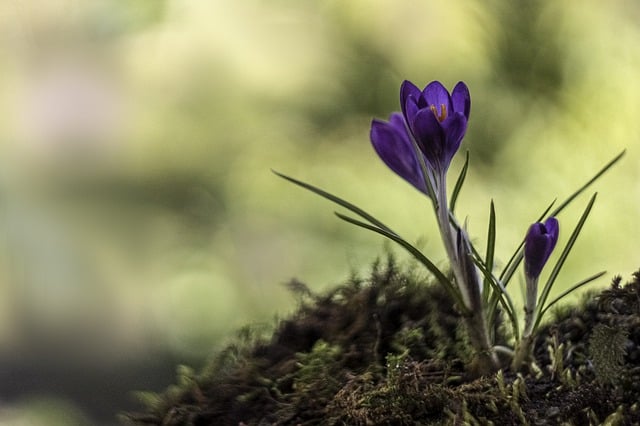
(392, 144)
(435, 94)
(461, 100)
(553, 230)
(429, 136)
(407, 90)
(397, 121)
(410, 108)
(534, 251)
(454, 128)
(539, 243)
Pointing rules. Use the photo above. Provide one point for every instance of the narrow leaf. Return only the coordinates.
(451, 289)
(459, 183)
(456, 226)
(571, 290)
(491, 245)
(607, 166)
(338, 201)
(503, 298)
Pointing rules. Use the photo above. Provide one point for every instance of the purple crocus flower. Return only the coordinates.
(538, 245)
(393, 144)
(437, 120)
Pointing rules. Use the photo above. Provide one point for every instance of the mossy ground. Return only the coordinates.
(389, 350)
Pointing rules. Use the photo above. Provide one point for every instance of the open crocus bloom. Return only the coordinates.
(436, 119)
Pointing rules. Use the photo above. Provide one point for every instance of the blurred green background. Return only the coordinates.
(140, 224)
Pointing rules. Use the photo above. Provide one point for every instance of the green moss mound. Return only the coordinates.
(390, 350)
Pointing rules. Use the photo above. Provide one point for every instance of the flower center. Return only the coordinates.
(440, 115)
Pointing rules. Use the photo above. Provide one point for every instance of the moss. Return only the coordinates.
(389, 350)
(607, 347)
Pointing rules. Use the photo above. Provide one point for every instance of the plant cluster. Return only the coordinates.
(418, 144)
(386, 348)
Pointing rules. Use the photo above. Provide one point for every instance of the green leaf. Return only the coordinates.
(453, 221)
(376, 226)
(502, 297)
(491, 298)
(571, 290)
(459, 183)
(607, 166)
(491, 245)
(563, 256)
(451, 289)
(347, 205)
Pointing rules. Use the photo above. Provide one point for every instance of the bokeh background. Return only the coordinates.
(140, 224)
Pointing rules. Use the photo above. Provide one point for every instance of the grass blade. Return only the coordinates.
(571, 290)
(502, 298)
(607, 166)
(451, 289)
(347, 205)
(491, 245)
(459, 183)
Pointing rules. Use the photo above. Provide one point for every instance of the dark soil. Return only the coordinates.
(390, 350)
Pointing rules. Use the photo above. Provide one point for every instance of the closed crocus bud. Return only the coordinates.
(538, 245)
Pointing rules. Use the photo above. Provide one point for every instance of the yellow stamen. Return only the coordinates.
(440, 115)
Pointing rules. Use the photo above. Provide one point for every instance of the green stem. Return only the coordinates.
(530, 306)
(523, 350)
(446, 232)
(486, 360)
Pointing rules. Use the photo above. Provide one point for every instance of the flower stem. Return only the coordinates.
(522, 353)
(530, 305)
(446, 232)
(486, 360)
(523, 349)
